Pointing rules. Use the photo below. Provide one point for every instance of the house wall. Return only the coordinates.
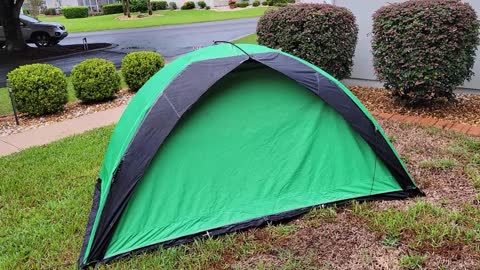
(363, 72)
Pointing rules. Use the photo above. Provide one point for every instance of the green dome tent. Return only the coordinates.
(226, 138)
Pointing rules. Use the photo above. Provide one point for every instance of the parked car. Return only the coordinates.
(42, 34)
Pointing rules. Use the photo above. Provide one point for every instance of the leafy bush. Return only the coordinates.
(39, 88)
(256, 3)
(207, 8)
(201, 4)
(50, 11)
(424, 49)
(95, 80)
(138, 67)
(75, 12)
(188, 5)
(112, 9)
(26, 12)
(264, 3)
(159, 5)
(172, 5)
(242, 4)
(138, 6)
(281, 3)
(325, 35)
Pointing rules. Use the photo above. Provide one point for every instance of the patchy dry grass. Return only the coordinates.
(45, 195)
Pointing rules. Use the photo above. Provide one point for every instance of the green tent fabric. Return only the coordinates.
(229, 137)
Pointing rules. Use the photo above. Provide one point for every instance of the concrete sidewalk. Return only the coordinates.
(43, 135)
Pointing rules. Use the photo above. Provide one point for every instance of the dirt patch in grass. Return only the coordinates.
(417, 146)
(72, 110)
(136, 16)
(466, 110)
(319, 243)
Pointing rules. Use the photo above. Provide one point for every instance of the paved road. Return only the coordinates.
(169, 41)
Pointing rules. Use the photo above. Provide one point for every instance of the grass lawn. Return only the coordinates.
(165, 17)
(6, 107)
(45, 198)
(250, 39)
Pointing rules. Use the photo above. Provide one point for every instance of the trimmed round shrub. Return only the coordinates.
(207, 8)
(75, 12)
(188, 5)
(112, 9)
(423, 49)
(325, 35)
(256, 3)
(38, 88)
(172, 5)
(95, 80)
(159, 5)
(264, 3)
(138, 67)
(201, 4)
(138, 6)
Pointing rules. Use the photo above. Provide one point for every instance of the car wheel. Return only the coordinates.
(41, 39)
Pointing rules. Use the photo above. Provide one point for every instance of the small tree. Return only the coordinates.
(126, 8)
(10, 19)
(149, 4)
(35, 7)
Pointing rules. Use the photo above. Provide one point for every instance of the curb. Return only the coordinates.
(468, 129)
(113, 45)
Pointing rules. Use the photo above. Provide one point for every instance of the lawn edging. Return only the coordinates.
(430, 121)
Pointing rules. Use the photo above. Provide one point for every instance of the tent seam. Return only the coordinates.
(171, 105)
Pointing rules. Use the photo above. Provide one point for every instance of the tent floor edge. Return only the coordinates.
(261, 222)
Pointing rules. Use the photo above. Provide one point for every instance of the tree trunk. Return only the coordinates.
(128, 8)
(149, 3)
(124, 3)
(10, 20)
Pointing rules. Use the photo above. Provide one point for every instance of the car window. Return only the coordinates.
(28, 19)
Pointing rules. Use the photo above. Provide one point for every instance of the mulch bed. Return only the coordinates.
(466, 110)
(72, 110)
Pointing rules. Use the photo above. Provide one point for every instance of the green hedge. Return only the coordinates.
(256, 3)
(424, 49)
(188, 5)
(172, 5)
(138, 67)
(39, 88)
(112, 9)
(95, 80)
(325, 35)
(159, 5)
(75, 12)
(138, 6)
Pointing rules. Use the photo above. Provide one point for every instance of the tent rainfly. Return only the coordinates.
(230, 137)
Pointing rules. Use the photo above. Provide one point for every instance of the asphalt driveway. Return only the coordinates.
(169, 41)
